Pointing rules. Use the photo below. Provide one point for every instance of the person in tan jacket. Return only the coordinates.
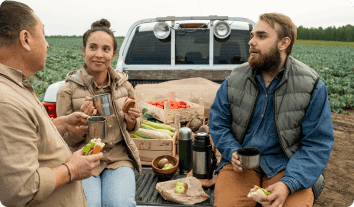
(113, 181)
(37, 167)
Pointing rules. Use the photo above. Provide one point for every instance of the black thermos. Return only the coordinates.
(204, 160)
(185, 150)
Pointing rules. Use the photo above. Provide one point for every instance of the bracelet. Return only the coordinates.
(69, 171)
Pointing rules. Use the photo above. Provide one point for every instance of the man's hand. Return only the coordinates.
(236, 163)
(279, 191)
(81, 167)
(76, 123)
(88, 107)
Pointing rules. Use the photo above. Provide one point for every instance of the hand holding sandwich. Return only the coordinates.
(130, 113)
(81, 166)
(279, 191)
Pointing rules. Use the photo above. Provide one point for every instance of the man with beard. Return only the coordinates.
(280, 106)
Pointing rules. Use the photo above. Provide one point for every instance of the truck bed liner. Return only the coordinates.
(146, 193)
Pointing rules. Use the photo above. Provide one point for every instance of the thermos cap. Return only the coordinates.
(202, 134)
(184, 133)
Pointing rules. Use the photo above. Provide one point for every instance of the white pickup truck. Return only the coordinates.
(171, 48)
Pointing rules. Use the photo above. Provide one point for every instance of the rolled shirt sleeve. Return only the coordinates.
(220, 124)
(309, 161)
(22, 181)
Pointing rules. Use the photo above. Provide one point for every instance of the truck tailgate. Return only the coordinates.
(147, 195)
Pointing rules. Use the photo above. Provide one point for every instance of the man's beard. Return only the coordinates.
(267, 62)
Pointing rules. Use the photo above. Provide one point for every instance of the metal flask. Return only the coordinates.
(185, 150)
(203, 153)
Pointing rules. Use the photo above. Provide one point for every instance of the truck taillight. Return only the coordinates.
(51, 109)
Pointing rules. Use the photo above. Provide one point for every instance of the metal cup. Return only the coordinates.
(249, 157)
(102, 103)
(96, 127)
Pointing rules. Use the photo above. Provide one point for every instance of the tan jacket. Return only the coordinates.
(30, 146)
(120, 149)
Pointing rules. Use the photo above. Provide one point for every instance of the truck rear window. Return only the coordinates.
(232, 50)
(147, 49)
(192, 47)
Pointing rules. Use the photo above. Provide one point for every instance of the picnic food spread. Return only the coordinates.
(256, 193)
(93, 147)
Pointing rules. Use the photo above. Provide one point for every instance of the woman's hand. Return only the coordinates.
(88, 107)
(131, 117)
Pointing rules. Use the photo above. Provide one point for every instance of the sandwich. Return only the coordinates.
(129, 103)
(256, 193)
(93, 147)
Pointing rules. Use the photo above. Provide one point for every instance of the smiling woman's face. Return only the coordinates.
(98, 52)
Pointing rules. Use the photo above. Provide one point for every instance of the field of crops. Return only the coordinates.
(333, 61)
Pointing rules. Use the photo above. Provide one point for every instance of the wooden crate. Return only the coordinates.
(151, 148)
(167, 115)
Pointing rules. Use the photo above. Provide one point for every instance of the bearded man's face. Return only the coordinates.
(263, 60)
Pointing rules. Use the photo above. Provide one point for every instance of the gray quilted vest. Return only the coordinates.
(291, 100)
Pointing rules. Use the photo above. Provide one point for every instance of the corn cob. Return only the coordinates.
(145, 126)
(159, 126)
(152, 134)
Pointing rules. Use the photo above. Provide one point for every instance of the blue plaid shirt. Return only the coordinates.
(307, 163)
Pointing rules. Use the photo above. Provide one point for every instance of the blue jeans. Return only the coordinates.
(111, 188)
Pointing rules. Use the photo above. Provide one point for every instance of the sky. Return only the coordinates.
(74, 17)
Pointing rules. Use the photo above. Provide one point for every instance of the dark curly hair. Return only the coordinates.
(101, 25)
(15, 17)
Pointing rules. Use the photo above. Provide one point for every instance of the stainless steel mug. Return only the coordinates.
(102, 103)
(249, 157)
(96, 127)
(185, 150)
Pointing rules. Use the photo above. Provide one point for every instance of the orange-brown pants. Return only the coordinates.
(232, 188)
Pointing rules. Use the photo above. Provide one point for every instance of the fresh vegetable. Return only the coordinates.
(145, 126)
(203, 128)
(171, 134)
(162, 162)
(194, 124)
(145, 113)
(167, 166)
(173, 104)
(151, 134)
(159, 126)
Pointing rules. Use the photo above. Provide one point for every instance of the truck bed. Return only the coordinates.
(146, 194)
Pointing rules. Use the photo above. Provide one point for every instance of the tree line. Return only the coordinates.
(343, 33)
